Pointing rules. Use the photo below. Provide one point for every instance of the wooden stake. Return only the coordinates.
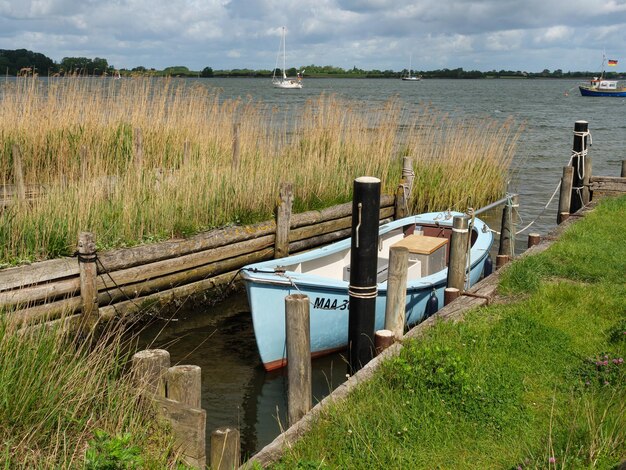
(297, 325)
(501, 260)
(138, 148)
(149, 368)
(283, 221)
(449, 294)
(401, 204)
(18, 175)
(458, 252)
(382, 340)
(225, 453)
(623, 172)
(88, 279)
(533, 239)
(509, 225)
(565, 195)
(395, 308)
(184, 385)
(586, 194)
(579, 147)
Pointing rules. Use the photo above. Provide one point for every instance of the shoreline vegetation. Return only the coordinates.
(535, 380)
(143, 160)
(22, 62)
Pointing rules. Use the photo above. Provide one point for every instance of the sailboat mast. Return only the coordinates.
(284, 52)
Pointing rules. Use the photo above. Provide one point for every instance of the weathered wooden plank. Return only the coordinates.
(183, 263)
(42, 292)
(35, 273)
(188, 427)
(128, 257)
(46, 312)
(607, 184)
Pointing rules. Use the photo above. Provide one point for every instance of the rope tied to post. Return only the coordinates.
(580, 161)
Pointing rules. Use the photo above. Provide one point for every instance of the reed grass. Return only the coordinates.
(111, 155)
(57, 394)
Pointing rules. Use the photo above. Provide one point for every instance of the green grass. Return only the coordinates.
(62, 402)
(537, 382)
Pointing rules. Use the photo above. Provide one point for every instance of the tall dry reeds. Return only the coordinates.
(147, 159)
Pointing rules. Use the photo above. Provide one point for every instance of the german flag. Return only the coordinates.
(612, 62)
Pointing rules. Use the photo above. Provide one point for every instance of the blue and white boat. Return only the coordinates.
(323, 274)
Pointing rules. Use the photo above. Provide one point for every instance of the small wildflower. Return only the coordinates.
(519, 467)
(405, 429)
(552, 460)
(620, 360)
(606, 382)
(349, 431)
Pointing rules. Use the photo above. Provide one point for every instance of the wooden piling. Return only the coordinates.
(579, 151)
(623, 172)
(407, 174)
(184, 385)
(501, 260)
(298, 334)
(586, 193)
(533, 239)
(283, 220)
(138, 148)
(382, 340)
(401, 204)
(509, 226)
(149, 368)
(18, 174)
(88, 279)
(235, 161)
(395, 308)
(225, 453)
(565, 194)
(449, 294)
(458, 252)
(186, 153)
(362, 289)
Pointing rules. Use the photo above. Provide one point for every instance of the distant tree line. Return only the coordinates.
(24, 62)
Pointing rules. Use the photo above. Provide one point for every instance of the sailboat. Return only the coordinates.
(284, 81)
(411, 78)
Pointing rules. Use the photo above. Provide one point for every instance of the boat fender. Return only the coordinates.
(432, 305)
(488, 266)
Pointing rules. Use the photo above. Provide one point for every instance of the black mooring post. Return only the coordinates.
(363, 265)
(578, 150)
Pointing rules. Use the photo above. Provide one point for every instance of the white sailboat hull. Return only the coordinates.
(287, 83)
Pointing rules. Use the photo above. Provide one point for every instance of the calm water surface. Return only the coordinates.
(236, 390)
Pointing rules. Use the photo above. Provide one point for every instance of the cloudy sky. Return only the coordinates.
(527, 35)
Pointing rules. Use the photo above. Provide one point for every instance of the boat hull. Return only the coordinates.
(329, 300)
(287, 84)
(587, 91)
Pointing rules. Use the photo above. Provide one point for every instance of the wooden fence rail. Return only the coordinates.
(131, 280)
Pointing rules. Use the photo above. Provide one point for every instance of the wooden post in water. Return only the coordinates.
(88, 280)
(565, 195)
(395, 308)
(623, 172)
(149, 368)
(225, 454)
(283, 221)
(138, 148)
(458, 252)
(362, 290)
(509, 225)
(18, 174)
(450, 294)
(298, 334)
(586, 193)
(383, 339)
(184, 385)
(533, 239)
(579, 152)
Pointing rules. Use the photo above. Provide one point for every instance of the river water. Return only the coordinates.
(236, 390)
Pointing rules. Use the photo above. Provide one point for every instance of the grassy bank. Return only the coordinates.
(80, 138)
(63, 405)
(538, 381)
